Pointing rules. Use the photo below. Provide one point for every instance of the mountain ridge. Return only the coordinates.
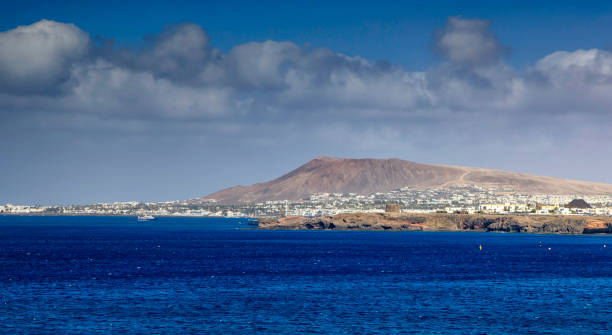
(367, 175)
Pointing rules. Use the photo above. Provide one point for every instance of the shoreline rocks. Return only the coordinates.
(555, 224)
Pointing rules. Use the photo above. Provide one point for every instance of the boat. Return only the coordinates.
(252, 222)
(146, 217)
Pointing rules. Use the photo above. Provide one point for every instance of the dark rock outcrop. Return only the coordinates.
(557, 224)
(578, 203)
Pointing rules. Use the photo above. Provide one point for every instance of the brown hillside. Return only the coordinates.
(365, 176)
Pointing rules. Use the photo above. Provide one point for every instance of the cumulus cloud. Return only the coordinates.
(178, 75)
(179, 52)
(262, 65)
(580, 67)
(106, 89)
(37, 58)
(469, 42)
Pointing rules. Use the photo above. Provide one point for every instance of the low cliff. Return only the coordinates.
(446, 222)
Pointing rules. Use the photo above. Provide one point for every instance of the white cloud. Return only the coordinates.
(109, 90)
(179, 52)
(262, 65)
(38, 57)
(178, 76)
(580, 67)
(469, 42)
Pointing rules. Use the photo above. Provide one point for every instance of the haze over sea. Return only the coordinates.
(182, 275)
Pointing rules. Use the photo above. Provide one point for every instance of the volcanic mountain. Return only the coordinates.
(366, 176)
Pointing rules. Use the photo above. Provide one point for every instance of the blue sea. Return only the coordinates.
(98, 275)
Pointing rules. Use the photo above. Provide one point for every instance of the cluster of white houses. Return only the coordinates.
(336, 203)
(515, 208)
(20, 209)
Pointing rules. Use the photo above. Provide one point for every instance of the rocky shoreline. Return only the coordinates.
(544, 224)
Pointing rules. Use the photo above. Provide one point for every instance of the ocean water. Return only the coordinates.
(89, 275)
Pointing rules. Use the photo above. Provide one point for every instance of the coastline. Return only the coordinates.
(508, 223)
(122, 215)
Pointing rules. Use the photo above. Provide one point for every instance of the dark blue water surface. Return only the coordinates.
(177, 275)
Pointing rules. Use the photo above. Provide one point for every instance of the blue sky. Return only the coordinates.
(397, 31)
(153, 101)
